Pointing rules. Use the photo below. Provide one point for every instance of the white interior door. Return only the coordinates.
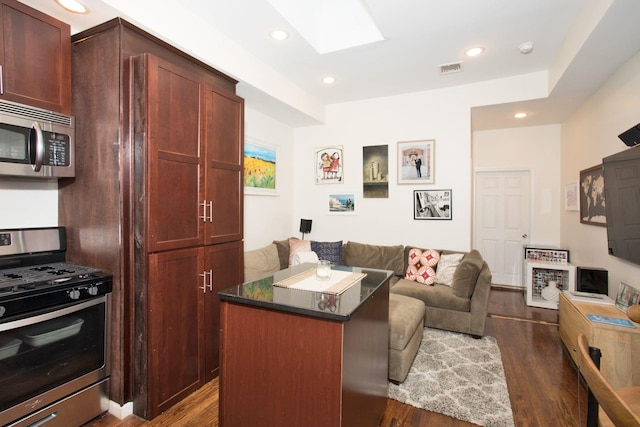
(502, 220)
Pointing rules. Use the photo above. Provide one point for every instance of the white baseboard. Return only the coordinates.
(121, 412)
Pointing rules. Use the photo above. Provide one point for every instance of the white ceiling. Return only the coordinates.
(579, 42)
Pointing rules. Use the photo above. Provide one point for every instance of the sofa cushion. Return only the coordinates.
(421, 263)
(331, 251)
(297, 245)
(374, 256)
(447, 267)
(261, 262)
(466, 274)
(433, 296)
(283, 252)
(405, 315)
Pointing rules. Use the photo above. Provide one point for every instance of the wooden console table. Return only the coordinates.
(620, 346)
(286, 359)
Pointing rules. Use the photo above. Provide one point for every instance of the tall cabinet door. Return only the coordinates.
(174, 321)
(224, 270)
(223, 133)
(172, 117)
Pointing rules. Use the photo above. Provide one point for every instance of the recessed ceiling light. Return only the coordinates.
(526, 48)
(329, 80)
(73, 6)
(279, 35)
(474, 51)
(520, 115)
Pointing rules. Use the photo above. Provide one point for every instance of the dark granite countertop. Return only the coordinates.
(262, 293)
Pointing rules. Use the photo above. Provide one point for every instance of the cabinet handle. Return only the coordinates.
(204, 282)
(204, 216)
(1, 81)
(206, 285)
(204, 211)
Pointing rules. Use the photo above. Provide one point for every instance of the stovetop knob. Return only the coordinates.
(93, 290)
(74, 294)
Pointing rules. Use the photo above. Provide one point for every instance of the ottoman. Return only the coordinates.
(406, 324)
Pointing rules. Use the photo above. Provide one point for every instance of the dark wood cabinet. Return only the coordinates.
(148, 118)
(35, 56)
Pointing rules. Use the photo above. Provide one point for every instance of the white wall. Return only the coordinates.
(588, 136)
(28, 203)
(268, 218)
(443, 115)
(536, 149)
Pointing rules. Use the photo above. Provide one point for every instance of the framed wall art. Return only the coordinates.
(415, 162)
(432, 204)
(592, 203)
(329, 165)
(260, 164)
(627, 296)
(375, 172)
(571, 197)
(341, 203)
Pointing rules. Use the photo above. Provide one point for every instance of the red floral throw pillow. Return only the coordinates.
(421, 266)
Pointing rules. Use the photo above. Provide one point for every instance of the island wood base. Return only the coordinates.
(285, 369)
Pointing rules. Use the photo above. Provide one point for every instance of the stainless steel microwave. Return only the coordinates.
(35, 143)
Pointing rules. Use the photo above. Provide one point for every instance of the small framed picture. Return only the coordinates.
(432, 204)
(415, 162)
(260, 163)
(571, 197)
(329, 165)
(627, 296)
(341, 203)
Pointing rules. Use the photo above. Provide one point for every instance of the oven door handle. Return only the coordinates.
(52, 315)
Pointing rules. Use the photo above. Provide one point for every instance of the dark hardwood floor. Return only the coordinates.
(543, 385)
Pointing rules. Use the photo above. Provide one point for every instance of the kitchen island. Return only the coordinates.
(292, 357)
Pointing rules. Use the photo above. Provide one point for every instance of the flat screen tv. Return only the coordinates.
(622, 203)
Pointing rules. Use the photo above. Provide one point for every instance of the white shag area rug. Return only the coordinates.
(458, 376)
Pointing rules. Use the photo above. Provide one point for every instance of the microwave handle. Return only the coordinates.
(39, 146)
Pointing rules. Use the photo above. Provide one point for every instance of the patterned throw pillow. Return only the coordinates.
(421, 265)
(331, 251)
(297, 245)
(447, 268)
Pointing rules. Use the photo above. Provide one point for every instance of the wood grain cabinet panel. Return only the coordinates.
(35, 55)
(136, 205)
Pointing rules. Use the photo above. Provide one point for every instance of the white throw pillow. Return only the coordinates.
(447, 267)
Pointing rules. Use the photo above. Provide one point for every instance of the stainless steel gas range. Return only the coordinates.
(54, 329)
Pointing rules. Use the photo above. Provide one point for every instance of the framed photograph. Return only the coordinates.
(415, 162)
(592, 203)
(375, 172)
(627, 296)
(341, 203)
(329, 165)
(432, 204)
(571, 197)
(260, 163)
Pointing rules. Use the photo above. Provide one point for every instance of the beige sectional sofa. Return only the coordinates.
(460, 305)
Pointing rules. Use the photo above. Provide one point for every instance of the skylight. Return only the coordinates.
(330, 25)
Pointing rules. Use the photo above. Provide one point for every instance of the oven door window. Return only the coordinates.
(46, 351)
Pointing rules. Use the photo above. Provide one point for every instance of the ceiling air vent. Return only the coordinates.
(455, 67)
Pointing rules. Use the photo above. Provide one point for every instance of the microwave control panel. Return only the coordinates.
(57, 149)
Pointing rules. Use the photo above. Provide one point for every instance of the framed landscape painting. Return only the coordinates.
(415, 162)
(342, 203)
(260, 164)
